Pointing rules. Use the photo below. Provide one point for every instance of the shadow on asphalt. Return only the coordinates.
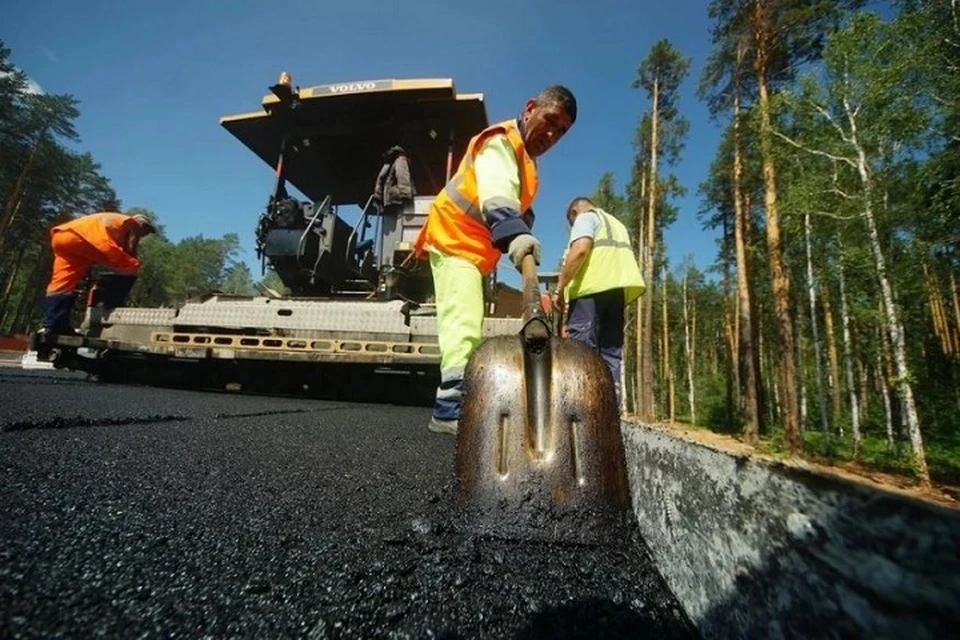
(589, 619)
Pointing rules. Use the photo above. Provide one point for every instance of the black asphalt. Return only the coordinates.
(130, 512)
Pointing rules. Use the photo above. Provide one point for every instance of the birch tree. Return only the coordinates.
(815, 334)
(863, 104)
(848, 364)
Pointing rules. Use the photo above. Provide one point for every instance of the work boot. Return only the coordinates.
(442, 426)
(57, 308)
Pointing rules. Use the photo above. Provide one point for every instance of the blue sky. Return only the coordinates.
(154, 78)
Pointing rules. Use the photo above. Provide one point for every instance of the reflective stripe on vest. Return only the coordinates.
(455, 224)
(609, 265)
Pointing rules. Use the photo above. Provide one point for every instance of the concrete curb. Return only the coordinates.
(755, 547)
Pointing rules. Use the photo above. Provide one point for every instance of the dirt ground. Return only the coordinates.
(946, 495)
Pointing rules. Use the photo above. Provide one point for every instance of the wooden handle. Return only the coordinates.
(530, 286)
(532, 308)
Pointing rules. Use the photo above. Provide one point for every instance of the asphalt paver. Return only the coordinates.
(131, 512)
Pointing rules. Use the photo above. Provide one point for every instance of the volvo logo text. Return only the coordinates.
(351, 87)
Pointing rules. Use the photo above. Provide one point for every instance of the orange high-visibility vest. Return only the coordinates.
(107, 232)
(455, 224)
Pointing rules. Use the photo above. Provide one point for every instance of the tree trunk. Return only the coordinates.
(801, 374)
(641, 380)
(848, 365)
(729, 343)
(833, 357)
(30, 298)
(631, 388)
(730, 375)
(885, 379)
(15, 196)
(894, 328)
(885, 396)
(956, 313)
(11, 279)
(748, 354)
(665, 366)
(863, 379)
(688, 349)
(767, 372)
(815, 333)
(941, 327)
(778, 272)
(623, 386)
(648, 405)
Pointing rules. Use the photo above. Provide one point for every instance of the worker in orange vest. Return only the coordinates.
(482, 213)
(104, 238)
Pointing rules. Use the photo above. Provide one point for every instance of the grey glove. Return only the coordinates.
(521, 246)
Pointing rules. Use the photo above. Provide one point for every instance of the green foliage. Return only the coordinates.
(876, 454)
(273, 284)
(238, 280)
(174, 273)
(606, 198)
(42, 181)
(881, 93)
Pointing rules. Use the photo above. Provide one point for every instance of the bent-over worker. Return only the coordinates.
(478, 216)
(104, 238)
(599, 278)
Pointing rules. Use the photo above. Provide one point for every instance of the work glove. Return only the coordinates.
(521, 246)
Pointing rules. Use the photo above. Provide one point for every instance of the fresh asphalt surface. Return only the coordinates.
(131, 512)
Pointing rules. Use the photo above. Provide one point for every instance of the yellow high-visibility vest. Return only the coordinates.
(609, 265)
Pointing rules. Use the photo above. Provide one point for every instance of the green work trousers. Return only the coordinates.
(459, 296)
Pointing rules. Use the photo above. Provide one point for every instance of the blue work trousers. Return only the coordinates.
(597, 321)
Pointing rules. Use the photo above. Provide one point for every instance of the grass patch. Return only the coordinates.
(876, 454)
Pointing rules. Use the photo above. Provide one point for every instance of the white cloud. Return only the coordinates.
(49, 54)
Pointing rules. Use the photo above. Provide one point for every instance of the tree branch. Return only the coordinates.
(815, 152)
(842, 194)
(833, 123)
(836, 216)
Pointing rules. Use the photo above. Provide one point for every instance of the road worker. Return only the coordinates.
(599, 278)
(482, 213)
(104, 238)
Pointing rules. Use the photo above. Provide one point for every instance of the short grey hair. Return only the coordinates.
(559, 95)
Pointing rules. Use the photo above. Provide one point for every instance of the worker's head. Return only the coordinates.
(547, 117)
(577, 206)
(144, 225)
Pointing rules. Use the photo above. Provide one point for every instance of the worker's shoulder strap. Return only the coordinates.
(604, 219)
(506, 128)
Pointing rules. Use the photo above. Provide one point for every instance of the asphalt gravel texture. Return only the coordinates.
(137, 512)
